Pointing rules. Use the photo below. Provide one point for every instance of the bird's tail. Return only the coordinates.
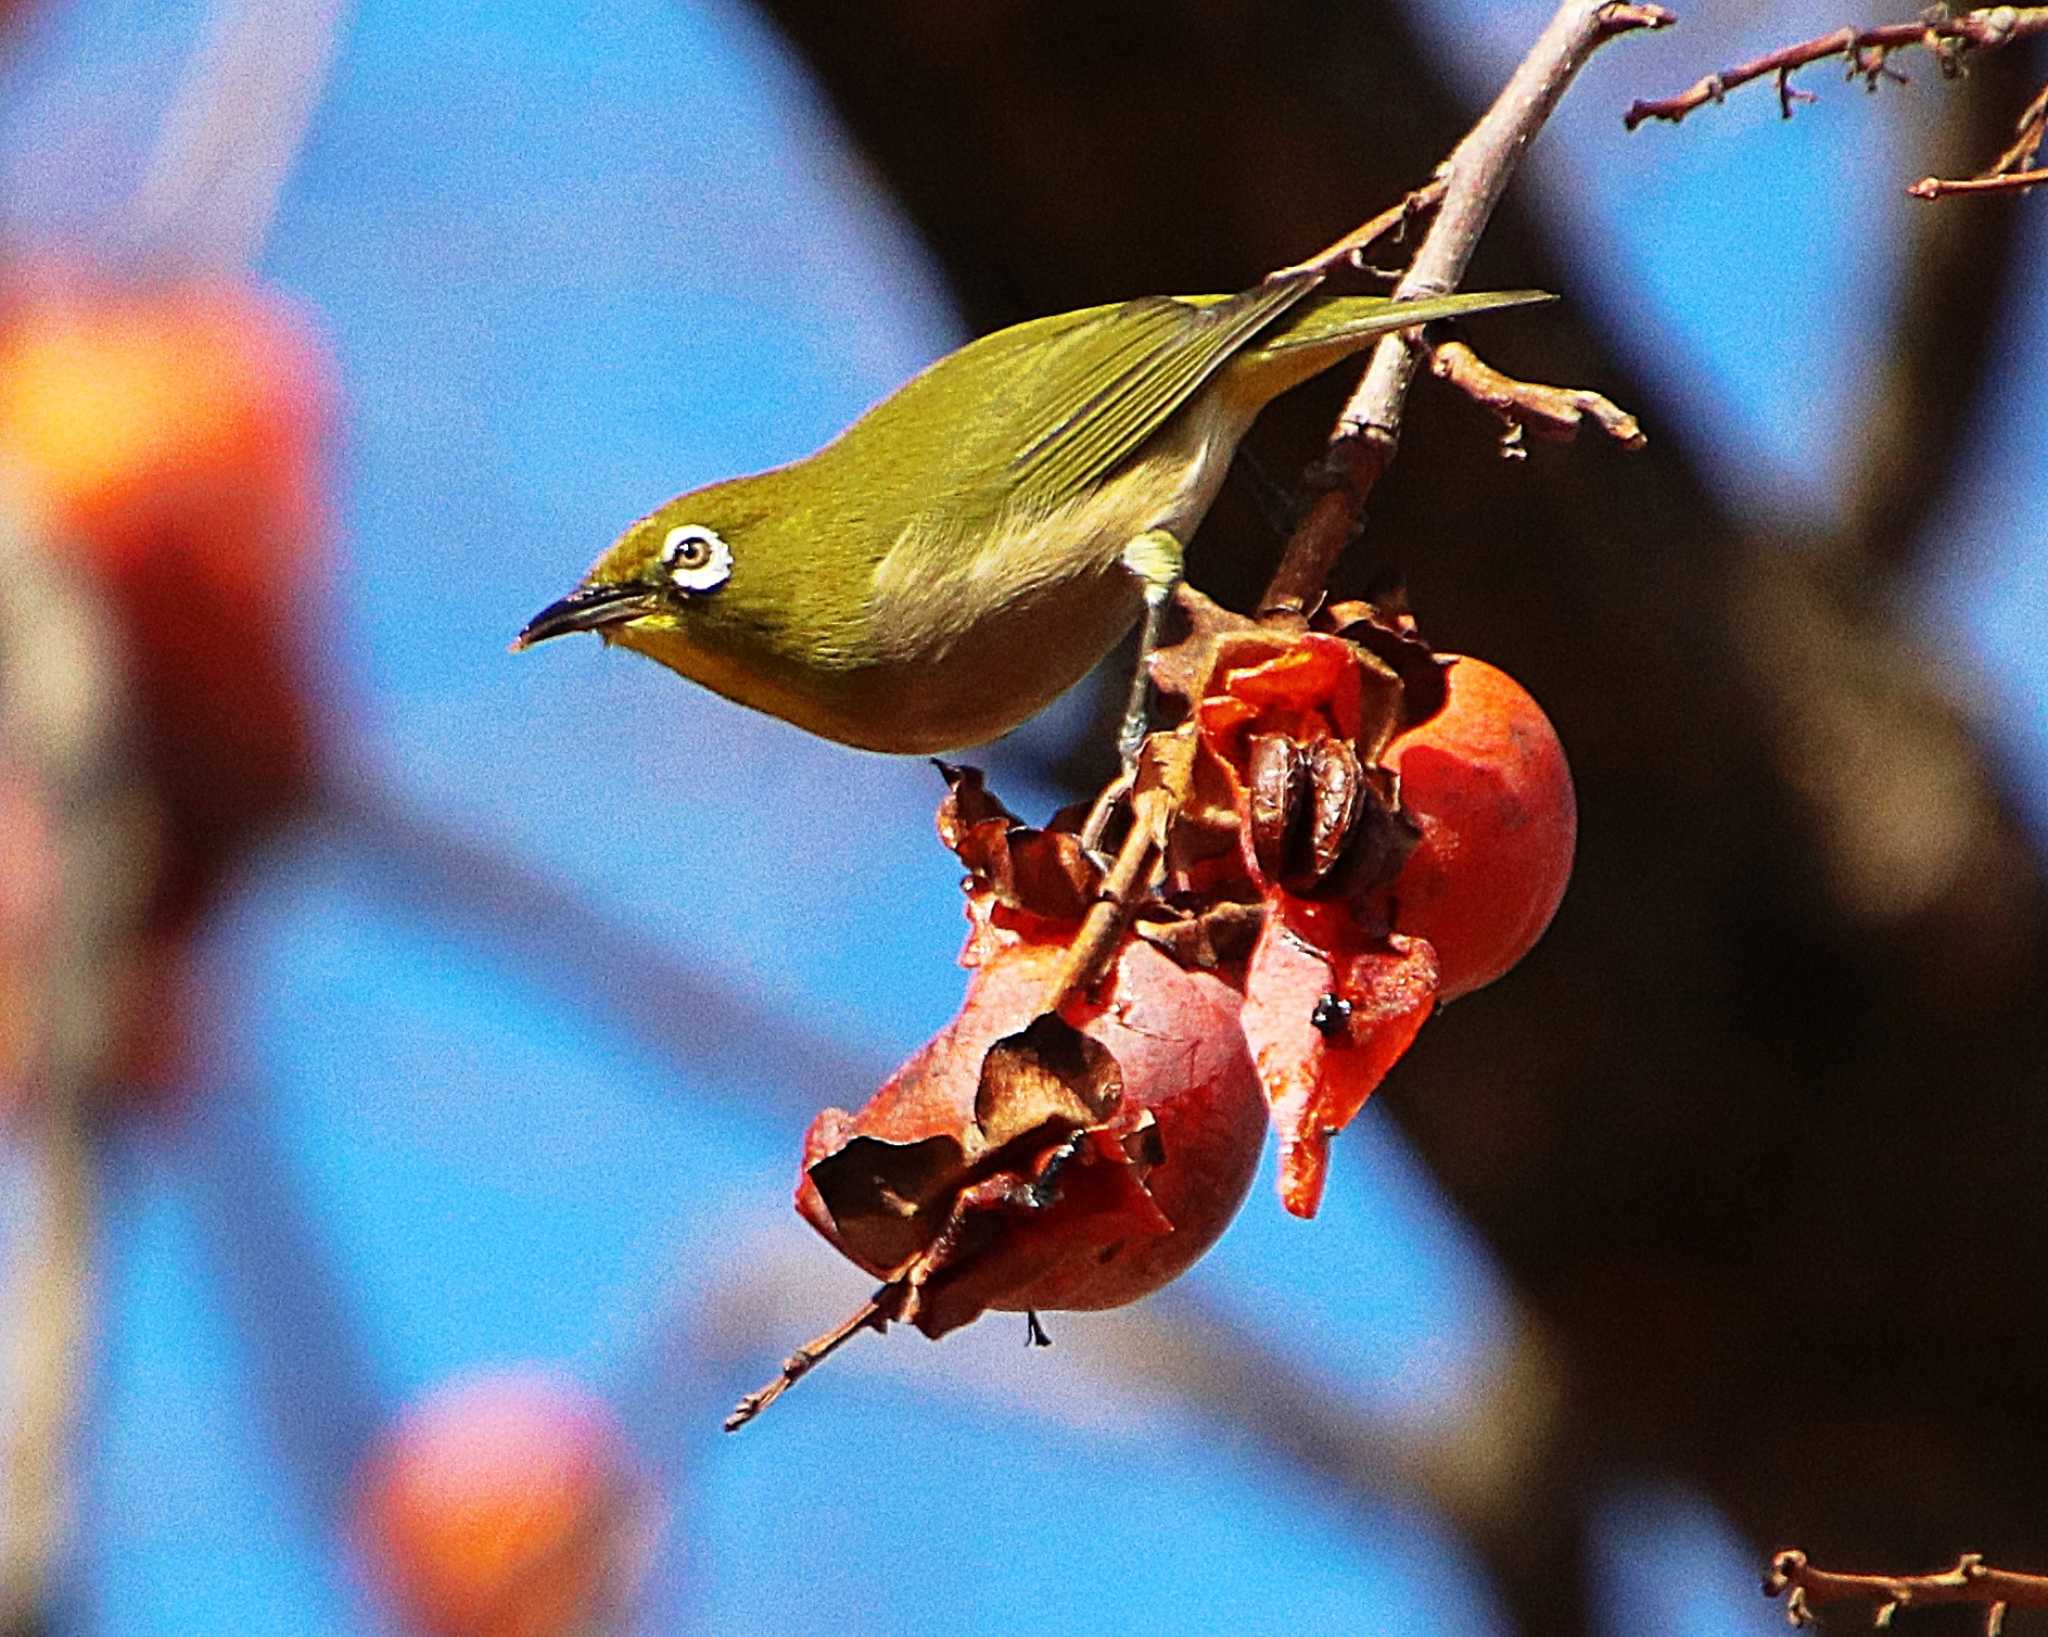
(1345, 323)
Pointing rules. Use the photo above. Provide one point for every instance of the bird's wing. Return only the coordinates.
(1110, 384)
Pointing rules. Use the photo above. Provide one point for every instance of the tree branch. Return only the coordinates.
(1971, 1581)
(229, 141)
(1473, 178)
(630, 980)
(1935, 187)
(1395, 219)
(1947, 333)
(62, 970)
(1868, 51)
(2028, 135)
(2009, 172)
(1554, 414)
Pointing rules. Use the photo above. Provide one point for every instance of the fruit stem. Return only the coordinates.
(1104, 810)
(874, 1314)
(1106, 918)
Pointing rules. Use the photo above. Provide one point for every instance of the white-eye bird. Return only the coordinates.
(971, 546)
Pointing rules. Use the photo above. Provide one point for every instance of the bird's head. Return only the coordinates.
(742, 586)
(665, 574)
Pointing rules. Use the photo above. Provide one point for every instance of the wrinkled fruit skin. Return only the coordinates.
(1347, 830)
(503, 1506)
(1173, 1035)
(1325, 1023)
(1485, 780)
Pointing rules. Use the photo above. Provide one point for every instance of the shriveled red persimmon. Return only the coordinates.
(1078, 1161)
(1486, 782)
(1070, 1140)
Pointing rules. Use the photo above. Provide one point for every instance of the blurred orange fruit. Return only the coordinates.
(174, 438)
(504, 1505)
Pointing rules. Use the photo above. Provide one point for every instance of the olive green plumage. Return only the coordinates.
(953, 560)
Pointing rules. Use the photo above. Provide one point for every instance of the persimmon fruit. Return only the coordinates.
(1092, 1223)
(1486, 782)
(503, 1505)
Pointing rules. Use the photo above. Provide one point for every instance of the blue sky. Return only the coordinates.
(572, 258)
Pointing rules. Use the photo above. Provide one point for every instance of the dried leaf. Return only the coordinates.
(968, 803)
(1043, 873)
(1390, 636)
(1012, 1161)
(1181, 670)
(1084, 1197)
(1201, 837)
(882, 1195)
(1218, 935)
(1164, 779)
(1047, 1075)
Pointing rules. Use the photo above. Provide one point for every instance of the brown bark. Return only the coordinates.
(1754, 1129)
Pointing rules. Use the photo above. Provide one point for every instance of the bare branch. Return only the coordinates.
(1473, 178)
(1553, 414)
(2028, 133)
(1935, 187)
(2009, 172)
(1389, 223)
(1971, 1581)
(63, 708)
(1868, 52)
(631, 979)
(48, 1303)
(873, 1314)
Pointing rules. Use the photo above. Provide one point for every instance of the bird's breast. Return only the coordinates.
(974, 628)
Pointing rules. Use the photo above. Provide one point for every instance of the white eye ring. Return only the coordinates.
(696, 559)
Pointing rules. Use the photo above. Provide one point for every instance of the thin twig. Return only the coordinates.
(2028, 134)
(49, 1304)
(873, 1314)
(2010, 172)
(1935, 187)
(1971, 1581)
(632, 980)
(1868, 51)
(1350, 250)
(1554, 414)
(1107, 917)
(1473, 179)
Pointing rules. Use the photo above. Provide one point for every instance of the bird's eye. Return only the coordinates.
(696, 559)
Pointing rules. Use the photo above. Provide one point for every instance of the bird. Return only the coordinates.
(971, 546)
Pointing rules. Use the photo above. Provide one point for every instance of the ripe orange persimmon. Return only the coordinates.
(1485, 780)
(171, 437)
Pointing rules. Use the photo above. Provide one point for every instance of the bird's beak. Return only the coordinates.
(588, 608)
